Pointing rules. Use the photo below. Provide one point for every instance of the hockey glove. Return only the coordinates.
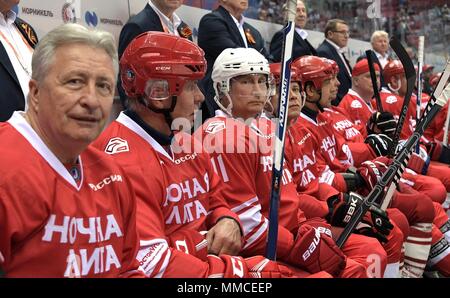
(375, 222)
(316, 252)
(380, 143)
(372, 171)
(381, 123)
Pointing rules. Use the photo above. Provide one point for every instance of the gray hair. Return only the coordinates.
(70, 34)
(379, 33)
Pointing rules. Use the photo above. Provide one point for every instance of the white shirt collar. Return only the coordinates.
(339, 49)
(238, 23)
(10, 18)
(240, 26)
(303, 34)
(171, 26)
(385, 56)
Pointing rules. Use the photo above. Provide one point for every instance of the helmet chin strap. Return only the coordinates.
(317, 102)
(399, 84)
(166, 112)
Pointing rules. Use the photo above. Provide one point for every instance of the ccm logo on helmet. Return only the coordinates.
(163, 68)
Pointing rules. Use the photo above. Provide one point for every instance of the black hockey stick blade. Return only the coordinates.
(373, 77)
(410, 74)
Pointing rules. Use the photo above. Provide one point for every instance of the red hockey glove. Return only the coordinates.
(316, 252)
(419, 162)
(372, 171)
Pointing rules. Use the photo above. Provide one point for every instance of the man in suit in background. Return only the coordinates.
(380, 45)
(334, 47)
(17, 41)
(302, 47)
(223, 28)
(157, 15)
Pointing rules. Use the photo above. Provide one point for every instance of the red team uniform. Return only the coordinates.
(56, 226)
(179, 195)
(247, 178)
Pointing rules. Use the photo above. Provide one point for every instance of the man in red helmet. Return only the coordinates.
(332, 159)
(241, 142)
(302, 154)
(185, 225)
(417, 206)
(392, 100)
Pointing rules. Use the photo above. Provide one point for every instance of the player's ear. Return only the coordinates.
(33, 96)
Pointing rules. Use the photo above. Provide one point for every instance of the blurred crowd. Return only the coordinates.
(404, 21)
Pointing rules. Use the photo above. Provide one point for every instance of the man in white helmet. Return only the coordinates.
(240, 144)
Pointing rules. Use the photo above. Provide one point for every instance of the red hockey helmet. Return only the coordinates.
(391, 69)
(315, 69)
(434, 79)
(275, 71)
(160, 56)
(427, 67)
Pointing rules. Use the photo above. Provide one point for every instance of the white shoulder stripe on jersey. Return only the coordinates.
(25, 129)
(308, 119)
(133, 126)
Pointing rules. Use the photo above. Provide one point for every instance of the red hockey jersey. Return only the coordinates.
(357, 110)
(347, 133)
(52, 226)
(178, 196)
(242, 155)
(332, 158)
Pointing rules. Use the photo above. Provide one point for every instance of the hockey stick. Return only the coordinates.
(373, 77)
(447, 120)
(410, 74)
(419, 81)
(437, 91)
(396, 168)
(447, 123)
(278, 154)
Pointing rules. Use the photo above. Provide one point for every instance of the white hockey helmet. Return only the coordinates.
(236, 62)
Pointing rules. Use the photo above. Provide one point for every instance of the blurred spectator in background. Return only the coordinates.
(223, 28)
(302, 46)
(157, 15)
(380, 45)
(17, 41)
(334, 47)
